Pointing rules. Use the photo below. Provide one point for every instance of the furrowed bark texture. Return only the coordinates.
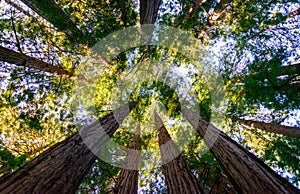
(61, 168)
(127, 181)
(247, 172)
(274, 128)
(19, 59)
(178, 176)
(149, 11)
(222, 185)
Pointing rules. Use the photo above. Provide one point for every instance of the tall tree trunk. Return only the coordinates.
(61, 168)
(289, 69)
(49, 10)
(222, 185)
(179, 178)
(149, 11)
(281, 71)
(247, 172)
(274, 128)
(19, 8)
(127, 181)
(19, 59)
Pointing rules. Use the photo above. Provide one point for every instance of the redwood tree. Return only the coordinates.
(127, 181)
(178, 177)
(61, 168)
(149, 11)
(271, 127)
(247, 172)
(13, 57)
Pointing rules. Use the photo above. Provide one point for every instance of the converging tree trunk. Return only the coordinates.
(50, 11)
(247, 172)
(289, 69)
(148, 15)
(270, 127)
(222, 185)
(127, 181)
(178, 177)
(19, 59)
(149, 11)
(61, 168)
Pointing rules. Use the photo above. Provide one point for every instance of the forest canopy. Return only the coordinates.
(93, 93)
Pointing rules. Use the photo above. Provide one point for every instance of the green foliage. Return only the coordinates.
(260, 38)
(9, 162)
(100, 179)
(284, 153)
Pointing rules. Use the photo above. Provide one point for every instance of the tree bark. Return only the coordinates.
(149, 11)
(271, 127)
(178, 177)
(247, 172)
(127, 181)
(17, 7)
(19, 59)
(50, 11)
(222, 185)
(61, 168)
(289, 70)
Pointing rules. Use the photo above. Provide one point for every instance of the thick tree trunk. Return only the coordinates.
(178, 177)
(222, 185)
(289, 69)
(274, 128)
(19, 59)
(49, 10)
(127, 181)
(17, 7)
(61, 168)
(149, 11)
(247, 172)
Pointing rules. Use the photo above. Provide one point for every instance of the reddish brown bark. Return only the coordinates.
(149, 11)
(49, 10)
(178, 177)
(247, 172)
(274, 128)
(14, 57)
(222, 185)
(61, 168)
(127, 181)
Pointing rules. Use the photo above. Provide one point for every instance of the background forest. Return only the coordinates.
(253, 45)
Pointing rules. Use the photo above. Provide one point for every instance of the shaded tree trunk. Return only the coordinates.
(50, 11)
(222, 185)
(17, 7)
(149, 11)
(61, 168)
(19, 59)
(247, 172)
(271, 127)
(148, 15)
(289, 69)
(127, 181)
(178, 177)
